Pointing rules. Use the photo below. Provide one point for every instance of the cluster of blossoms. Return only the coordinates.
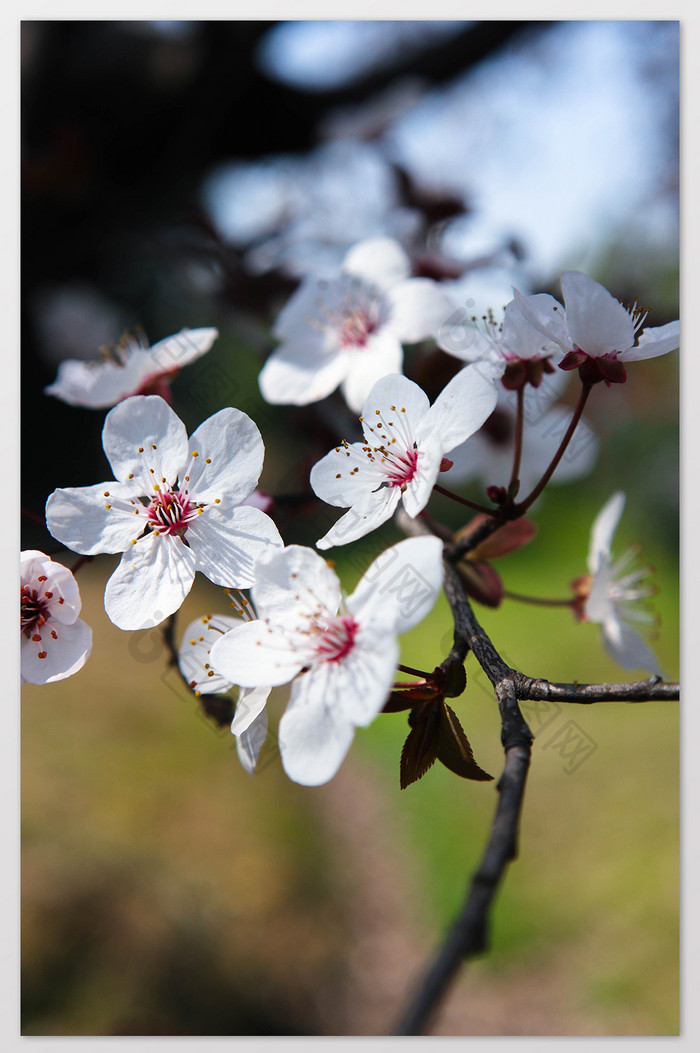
(180, 504)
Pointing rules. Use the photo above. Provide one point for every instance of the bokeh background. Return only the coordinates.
(190, 173)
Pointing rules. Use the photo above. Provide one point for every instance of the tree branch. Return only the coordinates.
(652, 690)
(468, 935)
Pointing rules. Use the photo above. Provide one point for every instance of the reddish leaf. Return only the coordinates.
(420, 748)
(508, 538)
(481, 582)
(455, 679)
(453, 748)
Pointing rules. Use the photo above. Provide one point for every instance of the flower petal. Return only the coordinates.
(345, 475)
(418, 489)
(257, 655)
(98, 385)
(79, 518)
(627, 647)
(313, 737)
(194, 655)
(251, 703)
(250, 742)
(366, 515)
(546, 315)
(150, 583)
(293, 320)
(230, 454)
(597, 322)
(528, 341)
(401, 586)
(394, 394)
(145, 441)
(286, 579)
(418, 308)
(179, 350)
(367, 674)
(654, 342)
(459, 410)
(297, 374)
(381, 262)
(227, 544)
(604, 527)
(381, 355)
(65, 648)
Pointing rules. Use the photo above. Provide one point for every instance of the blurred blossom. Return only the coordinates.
(488, 455)
(304, 213)
(614, 593)
(322, 56)
(479, 293)
(350, 331)
(544, 139)
(130, 367)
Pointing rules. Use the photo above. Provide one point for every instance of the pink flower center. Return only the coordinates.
(338, 639)
(171, 513)
(33, 611)
(355, 328)
(401, 467)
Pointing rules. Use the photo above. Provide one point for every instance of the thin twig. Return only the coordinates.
(523, 506)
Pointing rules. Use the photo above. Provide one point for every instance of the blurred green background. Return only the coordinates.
(164, 891)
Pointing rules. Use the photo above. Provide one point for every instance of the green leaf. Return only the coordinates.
(453, 748)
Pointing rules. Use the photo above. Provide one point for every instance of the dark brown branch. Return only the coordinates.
(652, 690)
(468, 935)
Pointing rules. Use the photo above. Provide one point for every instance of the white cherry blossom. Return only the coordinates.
(129, 368)
(249, 723)
(405, 442)
(610, 593)
(55, 642)
(594, 331)
(350, 331)
(340, 655)
(512, 348)
(175, 507)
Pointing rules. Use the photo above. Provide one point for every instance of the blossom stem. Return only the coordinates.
(413, 672)
(518, 451)
(539, 601)
(439, 529)
(465, 501)
(523, 506)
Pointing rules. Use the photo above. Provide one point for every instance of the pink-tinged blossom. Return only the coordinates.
(249, 723)
(595, 332)
(55, 642)
(350, 331)
(340, 654)
(511, 349)
(129, 368)
(403, 452)
(610, 593)
(176, 506)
